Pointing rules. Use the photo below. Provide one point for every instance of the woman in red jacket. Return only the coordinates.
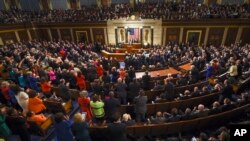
(84, 103)
(80, 80)
(99, 70)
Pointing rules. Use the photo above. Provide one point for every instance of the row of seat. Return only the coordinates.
(177, 127)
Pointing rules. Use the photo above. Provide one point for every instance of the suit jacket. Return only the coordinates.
(141, 104)
(121, 89)
(111, 106)
(227, 107)
(117, 132)
(64, 92)
(169, 91)
(134, 89)
(227, 91)
(146, 82)
(214, 111)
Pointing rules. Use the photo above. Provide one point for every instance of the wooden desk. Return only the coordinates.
(134, 45)
(118, 56)
(160, 73)
(186, 67)
(132, 50)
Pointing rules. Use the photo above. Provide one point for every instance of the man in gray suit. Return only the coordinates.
(140, 106)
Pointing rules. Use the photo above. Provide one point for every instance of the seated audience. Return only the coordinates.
(17, 124)
(62, 128)
(126, 119)
(37, 118)
(80, 128)
(35, 104)
(117, 129)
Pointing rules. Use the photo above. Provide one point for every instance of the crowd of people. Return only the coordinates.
(191, 10)
(31, 70)
(185, 10)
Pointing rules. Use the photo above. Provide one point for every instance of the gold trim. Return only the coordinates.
(195, 31)
(77, 38)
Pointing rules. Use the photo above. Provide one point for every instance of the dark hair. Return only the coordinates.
(59, 117)
(11, 111)
(29, 113)
(32, 93)
(141, 92)
(15, 88)
(95, 98)
(43, 79)
(203, 137)
(116, 116)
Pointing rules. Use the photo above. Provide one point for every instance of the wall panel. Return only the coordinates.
(245, 36)
(65, 34)
(33, 34)
(77, 31)
(30, 5)
(23, 35)
(98, 34)
(215, 36)
(43, 34)
(231, 36)
(2, 6)
(203, 33)
(54, 34)
(8, 37)
(173, 35)
(59, 4)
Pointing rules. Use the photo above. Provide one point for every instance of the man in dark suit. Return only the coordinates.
(111, 105)
(63, 91)
(121, 90)
(215, 109)
(117, 130)
(133, 90)
(226, 92)
(169, 89)
(158, 86)
(131, 72)
(146, 81)
(194, 72)
(140, 106)
(227, 105)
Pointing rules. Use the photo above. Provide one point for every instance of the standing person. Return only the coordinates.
(63, 91)
(226, 92)
(32, 81)
(80, 128)
(22, 98)
(169, 90)
(17, 124)
(121, 91)
(97, 107)
(84, 103)
(4, 129)
(99, 70)
(133, 90)
(117, 130)
(111, 105)
(52, 75)
(46, 87)
(140, 106)
(146, 81)
(233, 72)
(35, 103)
(80, 80)
(62, 128)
